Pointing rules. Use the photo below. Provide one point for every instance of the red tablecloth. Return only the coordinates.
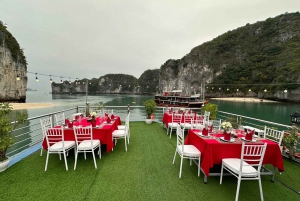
(167, 118)
(104, 134)
(213, 151)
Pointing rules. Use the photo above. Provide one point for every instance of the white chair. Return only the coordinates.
(86, 143)
(206, 118)
(45, 123)
(99, 113)
(117, 134)
(122, 127)
(60, 119)
(274, 135)
(216, 124)
(197, 122)
(106, 111)
(187, 121)
(247, 167)
(57, 145)
(186, 151)
(176, 119)
(207, 113)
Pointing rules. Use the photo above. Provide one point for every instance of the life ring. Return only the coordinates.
(152, 116)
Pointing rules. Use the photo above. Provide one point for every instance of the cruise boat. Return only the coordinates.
(175, 98)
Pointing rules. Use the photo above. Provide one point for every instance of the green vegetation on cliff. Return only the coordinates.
(149, 81)
(263, 55)
(8, 41)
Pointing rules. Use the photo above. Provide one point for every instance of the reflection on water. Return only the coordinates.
(273, 111)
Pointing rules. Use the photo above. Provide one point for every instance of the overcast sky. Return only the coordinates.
(91, 38)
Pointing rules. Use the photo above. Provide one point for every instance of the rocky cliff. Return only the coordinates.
(12, 66)
(259, 60)
(110, 84)
(256, 60)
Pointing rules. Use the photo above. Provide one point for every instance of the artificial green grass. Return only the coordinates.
(145, 172)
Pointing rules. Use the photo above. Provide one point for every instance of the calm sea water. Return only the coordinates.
(276, 111)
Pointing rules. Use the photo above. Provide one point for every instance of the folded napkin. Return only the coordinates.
(249, 135)
(211, 128)
(205, 131)
(112, 116)
(70, 124)
(189, 112)
(108, 120)
(106, 114)
(67, 121)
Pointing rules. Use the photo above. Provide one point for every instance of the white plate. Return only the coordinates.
(200, 134)
(253, 139)
(231, 140)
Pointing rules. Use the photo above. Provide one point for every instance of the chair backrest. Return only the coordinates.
(176, 118)
(54, 135)
(107, 111)
(83, 133)
(99, 113)
(46, 123)
(197, 123)
(216, 124)
(127, 119)
(253, 155)
(198, 117)
(60, 118)
(206, 119)
(188, 118)
(180, 137)
(128, 115)
(274, 135)
(206, 113)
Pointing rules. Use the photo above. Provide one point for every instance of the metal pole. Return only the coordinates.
(86, 91)
(203, 90)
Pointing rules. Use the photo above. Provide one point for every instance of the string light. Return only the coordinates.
(265, 90)
(36, 78)
(18, 78)
(237, 89)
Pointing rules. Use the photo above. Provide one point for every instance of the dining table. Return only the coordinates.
(213, 149)
(102, 131)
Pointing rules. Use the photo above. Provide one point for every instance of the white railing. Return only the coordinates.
(29, 135)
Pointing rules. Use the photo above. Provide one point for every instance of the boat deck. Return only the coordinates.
(145, 172)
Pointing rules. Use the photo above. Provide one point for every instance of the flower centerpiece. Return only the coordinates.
(93, 120)
(226, 125)
(227, 129)
(93, 114)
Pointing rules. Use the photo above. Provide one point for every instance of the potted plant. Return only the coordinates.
(150, 108)
(290, 140)
(6, 127)
(212, 108)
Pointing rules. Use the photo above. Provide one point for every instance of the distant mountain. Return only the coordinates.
(29, 89)
(263, 57)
